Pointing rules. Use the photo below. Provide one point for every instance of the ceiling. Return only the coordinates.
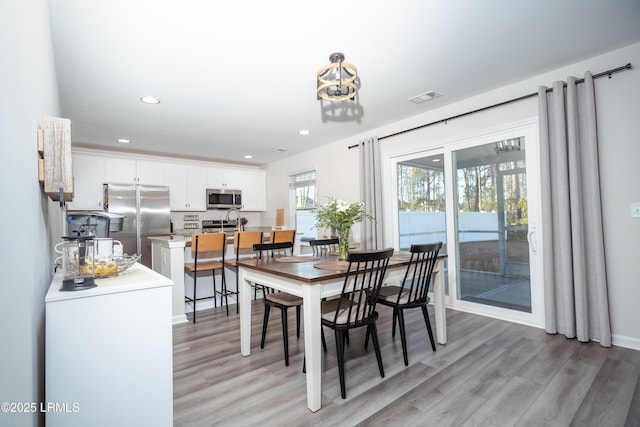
(239, 78)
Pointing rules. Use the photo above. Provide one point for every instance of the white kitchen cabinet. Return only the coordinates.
(88, 177)
(109, 352)
(119, 170)
(220, 177)
(254, 190)
(187, 185)
(187, 181)
(151, 172)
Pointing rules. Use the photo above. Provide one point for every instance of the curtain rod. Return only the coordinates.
(520, 98)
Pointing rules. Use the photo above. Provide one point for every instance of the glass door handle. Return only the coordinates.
(531, 240)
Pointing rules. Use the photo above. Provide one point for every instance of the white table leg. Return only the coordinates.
(245, 313)
(439, 303)
(313, 344)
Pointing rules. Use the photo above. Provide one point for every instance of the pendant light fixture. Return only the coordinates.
(337, 81)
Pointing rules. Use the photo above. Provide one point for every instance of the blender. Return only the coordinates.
(77, 262)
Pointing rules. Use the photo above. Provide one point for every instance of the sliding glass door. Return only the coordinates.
(492, 218)
(478, 197)
(421, 201)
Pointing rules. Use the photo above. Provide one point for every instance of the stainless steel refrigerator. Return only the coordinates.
(146, 213)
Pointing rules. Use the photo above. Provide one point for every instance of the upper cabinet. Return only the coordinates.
(250, 181)
(254, 190)
(151, 172)
(187, 182)
(88, 177)
(187, 185)
(121, 170)
(220, 177)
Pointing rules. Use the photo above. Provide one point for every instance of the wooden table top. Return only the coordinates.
(306, 271)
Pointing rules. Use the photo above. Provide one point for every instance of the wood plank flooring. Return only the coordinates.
(491, 373)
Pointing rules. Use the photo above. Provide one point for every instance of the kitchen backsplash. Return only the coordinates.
(180, 219)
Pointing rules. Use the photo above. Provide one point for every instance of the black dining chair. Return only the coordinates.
(276, 236)
(281, 300)
(356, 305)
(413, 291)
(323, 247)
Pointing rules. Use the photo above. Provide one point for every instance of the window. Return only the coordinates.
(302, 187)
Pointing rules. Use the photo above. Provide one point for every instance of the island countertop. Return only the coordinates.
(185, 237)
(170, 252)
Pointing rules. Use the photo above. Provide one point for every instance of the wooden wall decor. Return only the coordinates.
(55, 169)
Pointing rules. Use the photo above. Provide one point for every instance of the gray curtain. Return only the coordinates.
(371, 236)
(575, 283)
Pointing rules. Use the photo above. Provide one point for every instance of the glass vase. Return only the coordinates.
(343, 243)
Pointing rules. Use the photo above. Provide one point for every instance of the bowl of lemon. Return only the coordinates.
(104, 267)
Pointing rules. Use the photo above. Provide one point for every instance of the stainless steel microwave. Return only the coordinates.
(224, 198)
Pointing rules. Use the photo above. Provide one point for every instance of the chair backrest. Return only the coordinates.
(244, 240)
(270, 250)
(417, 278)
(322, 247)
(205, 244)
(361, 287)
(279, 236)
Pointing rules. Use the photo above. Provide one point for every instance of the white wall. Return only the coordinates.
(336, 175)
(618, 109)
(28, 92)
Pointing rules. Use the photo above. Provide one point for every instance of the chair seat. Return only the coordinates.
(283, 298)
(230, 263)
(328, 310)
(390, 294)
(204, 266)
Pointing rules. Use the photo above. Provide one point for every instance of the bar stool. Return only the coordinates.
(204, 247)
(243, 242)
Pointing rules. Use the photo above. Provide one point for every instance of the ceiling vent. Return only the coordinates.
(424, 97)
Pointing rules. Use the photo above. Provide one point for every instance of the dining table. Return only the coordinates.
(314, 278)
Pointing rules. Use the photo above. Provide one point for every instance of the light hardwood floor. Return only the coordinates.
(491, 373)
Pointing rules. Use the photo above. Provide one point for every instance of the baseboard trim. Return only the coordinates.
(627, 342)
(181, 318)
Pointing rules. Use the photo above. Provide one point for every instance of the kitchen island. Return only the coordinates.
(109, 352)
(170, 253)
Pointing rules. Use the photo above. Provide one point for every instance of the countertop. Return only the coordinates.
(136, 278)
(185, 235)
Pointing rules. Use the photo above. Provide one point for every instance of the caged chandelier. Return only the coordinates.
(337, 81)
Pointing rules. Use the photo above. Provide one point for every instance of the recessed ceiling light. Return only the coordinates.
(150, 100)
(248, 156)
(303, 132)
(436, 160)
(281, 149)
(124, 140)
(424, 97)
